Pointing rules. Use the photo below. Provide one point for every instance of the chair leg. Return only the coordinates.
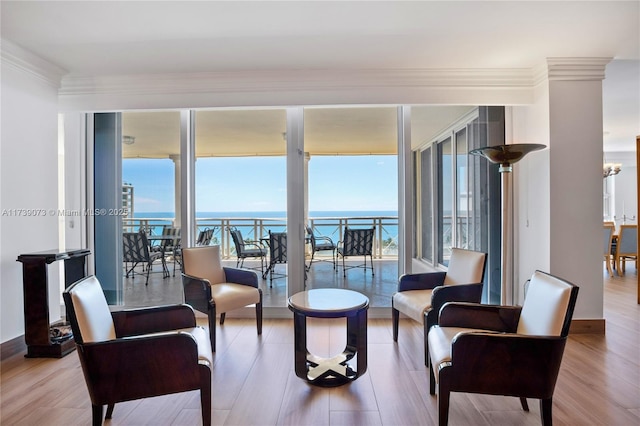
(259, 314)
(545, 411)
(96, 415)
(395, 315)
(222, 317)
(443, 404)
(432, 381)
(205, 397)
(212, 326)
(425, 323)
(110, 408)
(525, 405)
(371, 259)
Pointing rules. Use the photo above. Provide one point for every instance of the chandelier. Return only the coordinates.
(610, 169)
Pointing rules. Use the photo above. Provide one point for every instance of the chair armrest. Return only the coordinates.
(131, 322)
(471, 293)
(512, 364)
(241, 276)
(485, 317)
(255, 243)
(197, 292)
(422, 281)
(131, 366)
(327, 239)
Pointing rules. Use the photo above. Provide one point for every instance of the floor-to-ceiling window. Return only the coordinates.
(457, 194)
(242, 176)
(352, 181)
(240, 184)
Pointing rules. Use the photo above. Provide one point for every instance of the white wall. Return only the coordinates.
(530, 124)
(28, 176)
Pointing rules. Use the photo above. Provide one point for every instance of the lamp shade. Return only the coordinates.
(505, 155)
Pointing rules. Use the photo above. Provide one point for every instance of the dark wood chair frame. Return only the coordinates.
(502, 363)
(197, 293)
(138, 364)
(441, 294)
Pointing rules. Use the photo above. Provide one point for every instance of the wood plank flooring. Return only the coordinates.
(254, 382)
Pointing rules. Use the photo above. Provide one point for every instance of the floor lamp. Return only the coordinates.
(506, 156)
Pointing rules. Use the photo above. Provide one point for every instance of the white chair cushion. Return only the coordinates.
(229, 296)
(203, 262)
(440, 339)
(205, 354)
(201, 336)
(545, 306)
(413, 303)
(92, 311)
(465, 267)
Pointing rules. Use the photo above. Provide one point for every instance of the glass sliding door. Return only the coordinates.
(151, 199)
(445, 199)
(240, 185)
(426, 205)
(352, 181)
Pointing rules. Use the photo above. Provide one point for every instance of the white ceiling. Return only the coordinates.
(88, 38)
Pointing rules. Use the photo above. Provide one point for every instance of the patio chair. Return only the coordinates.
(135, 251)
(277, 254)
(246, 249)
(503, 350)
(356, 242)
(137, 353)
(320, 244)
(205, 236)
(213, 289)
(420, 296)
(169, 248)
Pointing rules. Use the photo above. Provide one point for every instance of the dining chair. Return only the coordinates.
(609, 255)
(626, 247)
(503, 350)
(137, 353)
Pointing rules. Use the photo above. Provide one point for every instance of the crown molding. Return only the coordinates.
(24, 61)
(577, 69)
(292, 80)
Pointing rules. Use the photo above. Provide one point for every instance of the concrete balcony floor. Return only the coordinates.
(379, 288)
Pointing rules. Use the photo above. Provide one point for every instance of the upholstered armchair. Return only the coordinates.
(138, 353)
(213, 289)
(420, 296)
(503, 350)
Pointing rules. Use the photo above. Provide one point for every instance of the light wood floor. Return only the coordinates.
(254, 382)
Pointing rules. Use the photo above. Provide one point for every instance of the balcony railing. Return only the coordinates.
(385, 243)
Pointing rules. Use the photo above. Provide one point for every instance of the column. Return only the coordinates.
(178, 189)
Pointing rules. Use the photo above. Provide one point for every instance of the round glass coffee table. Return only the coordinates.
(330, 303)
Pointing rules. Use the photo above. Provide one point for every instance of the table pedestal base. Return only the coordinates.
(335, 371)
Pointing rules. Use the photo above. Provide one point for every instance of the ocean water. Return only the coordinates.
(270, 214)
(322, 227)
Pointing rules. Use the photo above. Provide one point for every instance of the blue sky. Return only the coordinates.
(223, 184)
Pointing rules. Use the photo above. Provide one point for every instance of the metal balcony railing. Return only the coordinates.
(385, 244)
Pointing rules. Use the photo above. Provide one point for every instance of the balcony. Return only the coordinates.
(379, 287)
